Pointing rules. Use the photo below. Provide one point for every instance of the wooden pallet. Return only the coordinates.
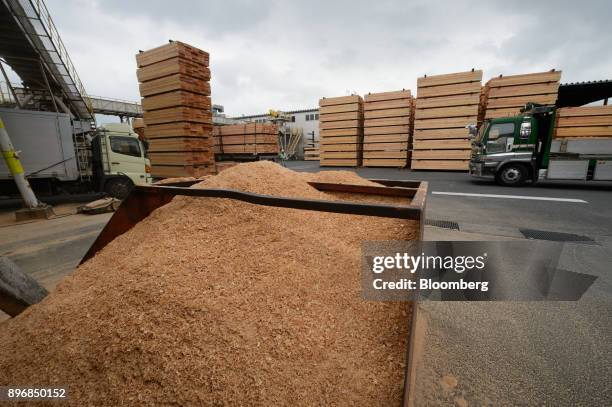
(506, 95)
(445, 105)
(587, 121)
(340, 131)
(387, 128)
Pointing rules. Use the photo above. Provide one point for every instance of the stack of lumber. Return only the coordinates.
(341, 131)
(586, 121)
(311, 151)
(138, 126)
(175, 89)
(506, 95)
(445, 105)
(249, 138)
(387, 127)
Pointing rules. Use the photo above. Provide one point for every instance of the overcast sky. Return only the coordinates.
(286, 55)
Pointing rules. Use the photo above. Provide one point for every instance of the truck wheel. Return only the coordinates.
(119, 187)
(511, 175)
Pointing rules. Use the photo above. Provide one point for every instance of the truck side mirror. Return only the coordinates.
(472, 130)
(525, 131)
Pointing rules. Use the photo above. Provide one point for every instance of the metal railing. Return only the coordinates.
(37, 10)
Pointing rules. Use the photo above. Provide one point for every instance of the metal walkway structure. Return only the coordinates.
(31, 45)
(99, 104)
(115, 107)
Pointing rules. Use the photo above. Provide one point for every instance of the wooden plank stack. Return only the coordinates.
(138, 126)
(248, 138)
(506, 95)
(445, 105)
(175, 89)
(387, 126)
(341, 131)
(584, 122)
(311, 151)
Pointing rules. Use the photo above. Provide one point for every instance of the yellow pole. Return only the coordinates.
(11, 157)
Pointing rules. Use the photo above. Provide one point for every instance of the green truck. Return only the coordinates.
(520, 149)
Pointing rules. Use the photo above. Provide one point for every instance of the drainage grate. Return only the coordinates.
(556, 236)
(446, 224)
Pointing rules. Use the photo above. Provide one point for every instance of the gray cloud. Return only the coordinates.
(286, 55)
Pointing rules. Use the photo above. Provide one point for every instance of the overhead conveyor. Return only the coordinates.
(31, 45)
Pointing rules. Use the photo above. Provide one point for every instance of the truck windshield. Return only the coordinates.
(125, 145)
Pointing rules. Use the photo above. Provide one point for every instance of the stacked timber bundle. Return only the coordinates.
(249, 138)
(445, 105)
(138, 126)
(175, 92)
(341, 131)
(506, 95)
(584, 122)
(387, 128)
(311, 151)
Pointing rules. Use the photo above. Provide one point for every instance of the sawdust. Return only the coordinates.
(219, 302)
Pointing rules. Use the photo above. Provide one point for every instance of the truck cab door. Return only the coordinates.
(500, 138)
(126, 156)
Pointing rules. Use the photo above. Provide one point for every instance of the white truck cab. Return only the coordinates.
(61, 155)
(123, 155)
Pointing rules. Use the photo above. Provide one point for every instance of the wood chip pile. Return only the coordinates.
(445, 105)
(387, 128)
(218, 302)
(250, 138)
(506, 95)
(175, 89)
(582, 122)
(341, 131)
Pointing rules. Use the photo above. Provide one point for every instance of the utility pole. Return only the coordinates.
(34, 208)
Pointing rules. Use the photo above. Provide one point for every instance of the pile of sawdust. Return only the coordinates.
(219, 302)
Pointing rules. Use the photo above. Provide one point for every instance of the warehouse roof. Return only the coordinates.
(581, 93)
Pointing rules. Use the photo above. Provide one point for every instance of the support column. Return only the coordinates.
(34, 208)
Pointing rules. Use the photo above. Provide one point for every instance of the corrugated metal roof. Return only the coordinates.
(586, 82)
(582, 93)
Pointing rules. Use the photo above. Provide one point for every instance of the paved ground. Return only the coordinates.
(499, 353)
(504, 216)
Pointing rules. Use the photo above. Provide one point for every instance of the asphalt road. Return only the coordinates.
(486, 214)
